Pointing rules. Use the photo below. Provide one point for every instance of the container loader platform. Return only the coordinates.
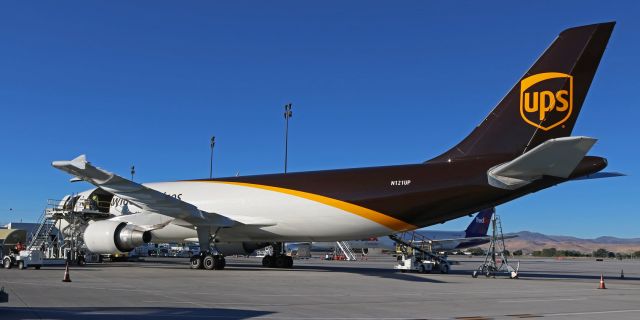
(415, 254)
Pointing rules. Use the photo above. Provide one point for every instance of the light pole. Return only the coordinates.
(133, 171)
(287, 114)
(213, 143)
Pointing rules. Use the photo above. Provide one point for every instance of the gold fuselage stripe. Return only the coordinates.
(375, 216)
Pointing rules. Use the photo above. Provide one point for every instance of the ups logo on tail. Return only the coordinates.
(541, 107)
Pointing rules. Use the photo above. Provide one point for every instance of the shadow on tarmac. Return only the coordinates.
(100, 313)
(526, 275)
(388, 273)
(251, 267)
(366, 271)
(548, 275)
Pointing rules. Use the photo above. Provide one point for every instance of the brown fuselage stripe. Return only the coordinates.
(375, 216)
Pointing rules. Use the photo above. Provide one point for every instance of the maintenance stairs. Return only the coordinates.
(496, 260)
(413, 243)
(46, 226)
(348, 253)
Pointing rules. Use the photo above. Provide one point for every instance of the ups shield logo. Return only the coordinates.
(545, 100)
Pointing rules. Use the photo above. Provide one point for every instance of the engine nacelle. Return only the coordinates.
(239, 248)
(114, 236)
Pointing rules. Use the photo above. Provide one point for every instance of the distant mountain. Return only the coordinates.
(531, 241)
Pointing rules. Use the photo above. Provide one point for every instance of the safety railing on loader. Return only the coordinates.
(412, 243)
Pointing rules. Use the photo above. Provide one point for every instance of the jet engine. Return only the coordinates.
(239, 248)
(114, 236)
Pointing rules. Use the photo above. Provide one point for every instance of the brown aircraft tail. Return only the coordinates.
(545, 102)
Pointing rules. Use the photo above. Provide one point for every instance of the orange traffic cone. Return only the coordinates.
(602, 286)
(66, 274)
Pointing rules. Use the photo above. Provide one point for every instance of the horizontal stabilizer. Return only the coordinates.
(600, 175)
(554, 157)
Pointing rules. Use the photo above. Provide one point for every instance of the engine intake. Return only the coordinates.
(114, 236)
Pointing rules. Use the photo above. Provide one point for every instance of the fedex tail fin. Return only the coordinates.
(545, 103)
(480, 224)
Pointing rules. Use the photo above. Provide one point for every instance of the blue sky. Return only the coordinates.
(372, 83)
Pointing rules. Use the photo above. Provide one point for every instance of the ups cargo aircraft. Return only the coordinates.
(523, 146)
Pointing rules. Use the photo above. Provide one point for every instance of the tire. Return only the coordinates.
(209, 262)
(281, 262)
(444, 268)
(268, 262)
(21, 265)
(7, 263)
(37, 267)
(289, 262)
(196, 263)
(219, 262)
(422, 269)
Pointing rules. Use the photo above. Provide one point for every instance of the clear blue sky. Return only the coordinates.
(372, 83)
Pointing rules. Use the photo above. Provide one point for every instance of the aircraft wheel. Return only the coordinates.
(268, 262)
(196, 263)
(209, 262)
(21, 265)
(219, 262)
(289, 262)
(281, 262)
(7, 263)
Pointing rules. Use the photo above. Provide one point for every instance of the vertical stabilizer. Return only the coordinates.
(545, 103)
(480, 224)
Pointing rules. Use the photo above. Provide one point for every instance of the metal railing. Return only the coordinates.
(346, 250)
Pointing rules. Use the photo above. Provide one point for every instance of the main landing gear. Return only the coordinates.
(208, 261)
(278, 259)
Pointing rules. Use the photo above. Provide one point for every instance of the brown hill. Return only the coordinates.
(532, 241)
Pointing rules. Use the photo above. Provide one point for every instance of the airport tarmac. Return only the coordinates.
(164, 288)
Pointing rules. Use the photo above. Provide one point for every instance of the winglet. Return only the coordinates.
(81, 168)
(79, 162)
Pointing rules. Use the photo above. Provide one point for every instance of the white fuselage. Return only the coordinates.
(268, 215)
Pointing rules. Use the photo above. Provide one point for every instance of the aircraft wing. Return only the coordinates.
(146, 198)
(439, 241)
(554, 157)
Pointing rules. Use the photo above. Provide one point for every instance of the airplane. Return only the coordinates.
(522, 146)
(440, 241)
